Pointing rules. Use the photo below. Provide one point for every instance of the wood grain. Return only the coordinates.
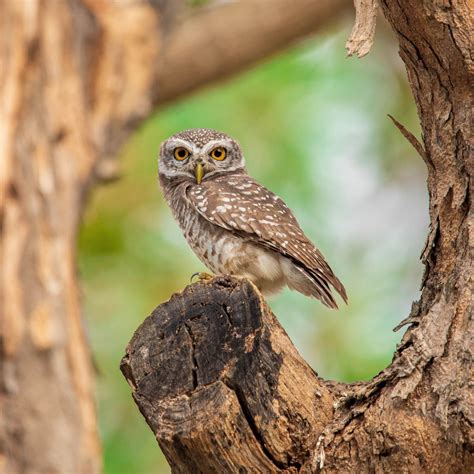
(217, 348)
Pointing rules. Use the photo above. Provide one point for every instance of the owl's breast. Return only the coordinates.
(216, 247)
(225, 252)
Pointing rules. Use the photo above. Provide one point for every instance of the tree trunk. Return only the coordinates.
(76, 76)
(224, 390)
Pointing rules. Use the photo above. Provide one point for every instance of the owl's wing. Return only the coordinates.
(241, 205)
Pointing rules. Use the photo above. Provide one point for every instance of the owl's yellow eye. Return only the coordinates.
(218, 153)
(181, 153)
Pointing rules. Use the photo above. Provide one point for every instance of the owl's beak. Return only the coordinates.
(199, 172)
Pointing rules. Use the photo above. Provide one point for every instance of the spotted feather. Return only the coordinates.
(239, 204)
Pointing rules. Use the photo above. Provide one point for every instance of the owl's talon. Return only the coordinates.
(202, 276)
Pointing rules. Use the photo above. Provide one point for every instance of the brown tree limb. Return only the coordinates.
(224, 390)
(147, 69)
(223, 40)
(415, 416)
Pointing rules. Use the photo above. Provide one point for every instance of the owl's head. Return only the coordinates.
(199, 154)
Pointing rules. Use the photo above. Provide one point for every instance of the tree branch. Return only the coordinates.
(224, 390)
(410, 138)
(221, 41)
(221, 385)
(362, 34)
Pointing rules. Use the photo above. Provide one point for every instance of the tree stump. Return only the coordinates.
(221, 385)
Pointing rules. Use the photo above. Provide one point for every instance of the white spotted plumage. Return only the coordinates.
(235, 225)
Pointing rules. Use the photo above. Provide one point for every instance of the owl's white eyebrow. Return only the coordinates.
(179, 142)
(210, 145)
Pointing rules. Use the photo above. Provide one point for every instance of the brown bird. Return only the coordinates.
(235, 225)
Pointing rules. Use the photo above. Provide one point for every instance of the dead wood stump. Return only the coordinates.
(222, 386)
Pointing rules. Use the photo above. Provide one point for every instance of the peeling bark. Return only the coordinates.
(76, 77)
(362, 35)
(415, 416)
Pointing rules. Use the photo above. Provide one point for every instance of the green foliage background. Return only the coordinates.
(313, 126)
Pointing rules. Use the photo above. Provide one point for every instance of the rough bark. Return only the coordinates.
(221, 385)
(212, 367)
(75, 77)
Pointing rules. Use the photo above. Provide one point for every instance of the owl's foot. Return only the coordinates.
(202, 276)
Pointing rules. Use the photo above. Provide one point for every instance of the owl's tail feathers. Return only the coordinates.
(316, 284)
(338, 286)
(323, 281)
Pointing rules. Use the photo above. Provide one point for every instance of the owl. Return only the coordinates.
(235, 225)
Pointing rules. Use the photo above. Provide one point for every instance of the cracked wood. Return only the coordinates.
(234, 353)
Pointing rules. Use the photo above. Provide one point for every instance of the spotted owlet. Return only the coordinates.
(235, 225)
